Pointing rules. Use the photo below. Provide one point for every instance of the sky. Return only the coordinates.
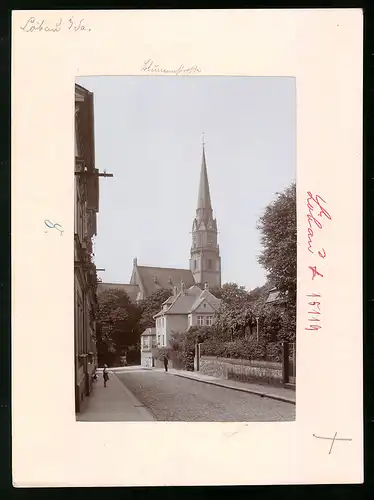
(148, 134)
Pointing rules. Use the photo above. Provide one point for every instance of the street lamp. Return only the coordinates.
(257, 318)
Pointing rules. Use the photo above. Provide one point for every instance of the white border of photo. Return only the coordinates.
(323, 50)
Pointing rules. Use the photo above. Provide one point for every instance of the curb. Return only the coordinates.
(241, 389)
(141, 408)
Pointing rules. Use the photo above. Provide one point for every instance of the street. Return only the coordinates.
(172, 398)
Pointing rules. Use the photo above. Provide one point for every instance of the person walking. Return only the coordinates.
(105, 375)
(166, 361)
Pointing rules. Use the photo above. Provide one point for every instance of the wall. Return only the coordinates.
(238, 369)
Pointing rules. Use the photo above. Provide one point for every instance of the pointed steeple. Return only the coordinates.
(204, 203)
(205, 260)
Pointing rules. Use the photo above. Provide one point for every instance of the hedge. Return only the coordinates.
(248, 349)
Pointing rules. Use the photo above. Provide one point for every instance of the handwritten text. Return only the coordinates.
(314, 203)
(316, 216)
(72, 25)
(151, 67)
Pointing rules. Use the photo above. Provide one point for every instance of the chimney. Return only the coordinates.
(175, 291)
(169, 281)
(206, 286)
(154, 279)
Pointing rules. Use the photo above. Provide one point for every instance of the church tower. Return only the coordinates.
(205, 261)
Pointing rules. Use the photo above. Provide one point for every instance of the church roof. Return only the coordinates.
(204, 201)
(155, 278)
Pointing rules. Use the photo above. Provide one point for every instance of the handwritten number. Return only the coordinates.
(324, 253)
(53, 225)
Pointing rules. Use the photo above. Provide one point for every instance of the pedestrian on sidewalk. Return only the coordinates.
(166, 361)
(105, 375)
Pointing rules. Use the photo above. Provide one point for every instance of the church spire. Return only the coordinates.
(204, 203)
(205, 260)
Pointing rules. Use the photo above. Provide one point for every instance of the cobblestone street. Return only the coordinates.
(172, 398)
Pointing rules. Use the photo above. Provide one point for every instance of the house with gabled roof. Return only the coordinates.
(204, 263)
(184, 309)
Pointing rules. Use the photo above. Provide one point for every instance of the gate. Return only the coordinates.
(289, 362)
(292, 363)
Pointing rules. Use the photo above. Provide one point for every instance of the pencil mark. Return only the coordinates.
(34, 25)
(151, 67)
(53, 225)
(230, 434)
(333, 439)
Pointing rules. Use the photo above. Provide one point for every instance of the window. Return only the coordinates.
(209, 320)
(194, 265)
(209, 263)
(200, 320)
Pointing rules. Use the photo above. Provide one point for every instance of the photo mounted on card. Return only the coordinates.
(181, 219)
(201, 327)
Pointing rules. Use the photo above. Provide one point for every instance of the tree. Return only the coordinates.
(117, 320)
(278, 226)
(234, 320)
(152, 305)
(231, 293)
(279, 241)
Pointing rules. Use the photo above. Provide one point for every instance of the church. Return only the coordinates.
(205, 261)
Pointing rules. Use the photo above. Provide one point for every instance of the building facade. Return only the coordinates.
(205, 260)
(185, 309)
(86, 207)
(148, 345)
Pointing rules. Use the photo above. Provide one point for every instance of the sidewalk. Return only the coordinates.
(266, 391)
(114, 403)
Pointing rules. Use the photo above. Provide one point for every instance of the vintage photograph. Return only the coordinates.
(185, 248)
